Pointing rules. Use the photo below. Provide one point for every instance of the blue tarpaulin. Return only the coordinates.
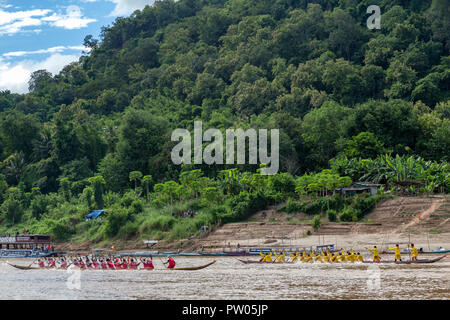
(95, 214)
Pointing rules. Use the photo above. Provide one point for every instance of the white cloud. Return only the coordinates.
(57, 49)
(12, 22)
(73, 19)
(15, 76)
(126, 7)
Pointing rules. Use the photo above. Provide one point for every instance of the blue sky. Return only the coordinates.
(48, 34)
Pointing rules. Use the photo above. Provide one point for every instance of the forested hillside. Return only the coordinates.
(371, 104)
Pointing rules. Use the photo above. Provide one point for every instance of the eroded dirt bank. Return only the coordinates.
(424, 221)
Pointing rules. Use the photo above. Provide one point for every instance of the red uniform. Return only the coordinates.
(171, 263)
(41, 264)
(148, 265)
(133, 265)
(104, 265)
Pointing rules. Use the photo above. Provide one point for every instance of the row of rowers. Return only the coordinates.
(312, 256)
(322, 256)
(101, 263)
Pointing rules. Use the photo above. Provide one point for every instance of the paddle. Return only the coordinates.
(162, 262)
(32, 263)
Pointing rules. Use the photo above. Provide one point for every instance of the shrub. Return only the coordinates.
(293, 206)
(158, 203)
(114, 221)
(128, 230)
(39, 206)
(282, 182)
(60, 229)
(332, 215)
(316, 222)
(137, 206)
(127, 200)
(347, 214)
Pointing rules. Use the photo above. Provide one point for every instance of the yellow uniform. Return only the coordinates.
(327, 257)
(319, 257)
(295, 257)
(304, 257)
(351, 257)
(397, 255)
(266, 257)
(359, 257)
(414, 252)
(376, 256)
(280, 258)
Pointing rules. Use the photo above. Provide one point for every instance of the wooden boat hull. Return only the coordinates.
(419, 261)
(179, 269)
(22, 267)
(194, 268)
(261, 262)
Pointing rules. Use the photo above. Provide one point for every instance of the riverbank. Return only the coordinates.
(424, 221)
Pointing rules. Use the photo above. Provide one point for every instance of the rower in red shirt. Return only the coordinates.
(133, 264)
(171, 263)
(41, 263)
(51, 263)
(63, 264)
(110, 264)
(124, 264)
(103, 264)
(148, 264)
(117, 264)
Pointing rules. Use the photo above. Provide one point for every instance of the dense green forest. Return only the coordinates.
(350, 103)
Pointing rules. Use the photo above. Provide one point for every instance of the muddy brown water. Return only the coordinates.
(231, 279)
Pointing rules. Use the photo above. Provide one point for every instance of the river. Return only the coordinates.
(231, 279)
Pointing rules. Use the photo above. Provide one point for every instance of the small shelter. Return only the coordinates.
(359, 187)
(95, 215)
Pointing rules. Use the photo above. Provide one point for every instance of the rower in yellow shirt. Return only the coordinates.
(351, 256)
(319, 257)
(341, 257)
(305, 256)
(327, 257)
(295, 257)
(334, 258)
(397, 255)
(359, 257)
(376, 256)
(414, 252)
(266, 257)
(280, 258)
